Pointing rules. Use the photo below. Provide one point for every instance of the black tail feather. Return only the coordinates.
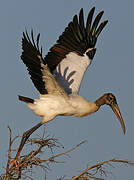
(26, 99)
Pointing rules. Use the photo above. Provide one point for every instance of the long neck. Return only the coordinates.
(100, 101)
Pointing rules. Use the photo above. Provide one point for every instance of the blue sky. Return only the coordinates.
(111, 71)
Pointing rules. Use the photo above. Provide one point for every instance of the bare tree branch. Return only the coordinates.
(64, 153)
(32, 158)
(99, 168)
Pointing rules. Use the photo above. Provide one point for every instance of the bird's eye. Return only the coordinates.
(110, 97)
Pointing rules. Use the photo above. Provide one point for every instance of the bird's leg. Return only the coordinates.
(25, 136)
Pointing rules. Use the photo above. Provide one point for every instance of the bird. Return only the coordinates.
(59, 74)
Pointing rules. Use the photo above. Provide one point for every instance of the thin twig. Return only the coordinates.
(64, 153)
(9, 150)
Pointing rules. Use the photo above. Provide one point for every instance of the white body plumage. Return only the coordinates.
(49, 106)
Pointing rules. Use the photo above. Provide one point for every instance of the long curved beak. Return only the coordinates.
(117, 112)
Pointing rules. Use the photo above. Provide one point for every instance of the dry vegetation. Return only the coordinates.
(24, 165)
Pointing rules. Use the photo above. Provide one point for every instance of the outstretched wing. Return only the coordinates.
(69, 58)
(41, 76)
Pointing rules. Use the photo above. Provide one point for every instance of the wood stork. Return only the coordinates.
(58, 75)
